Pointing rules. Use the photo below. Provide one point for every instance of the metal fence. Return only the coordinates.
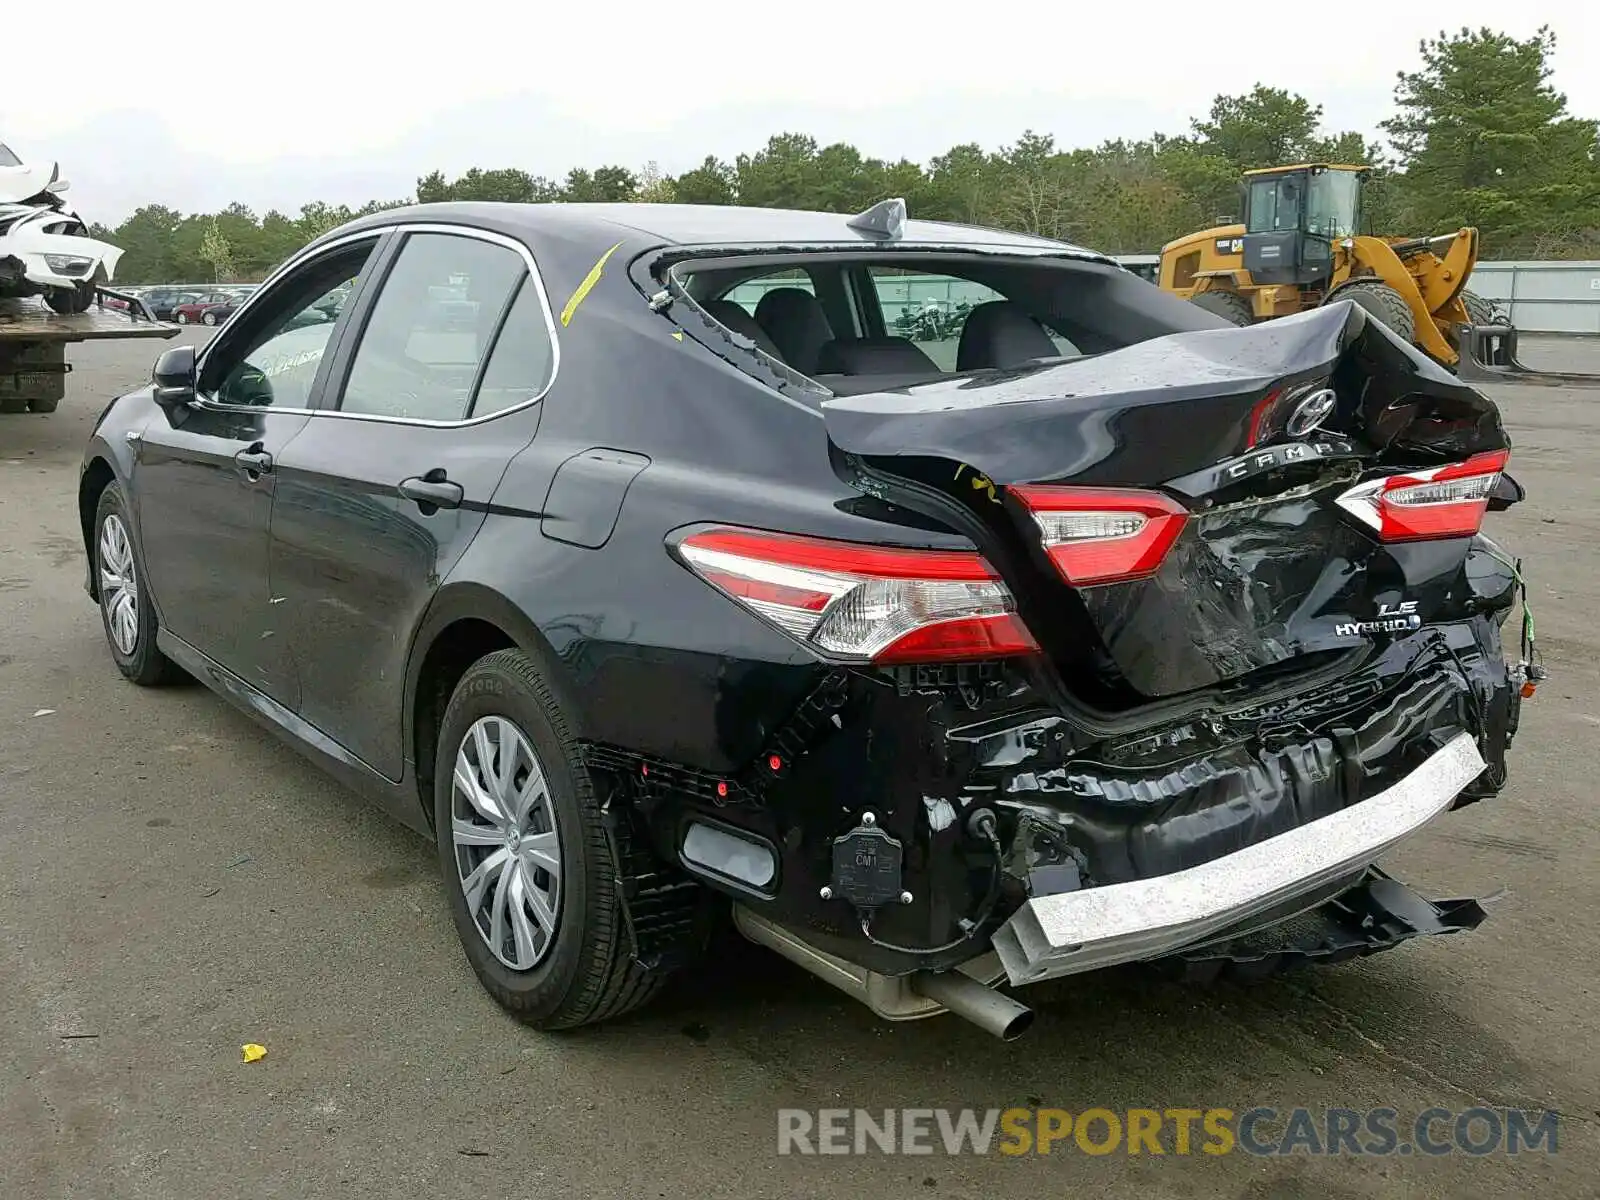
(1544, 297)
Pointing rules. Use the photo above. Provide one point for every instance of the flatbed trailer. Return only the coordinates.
(34, 340)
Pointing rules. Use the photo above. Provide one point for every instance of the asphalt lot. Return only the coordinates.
(174, 883)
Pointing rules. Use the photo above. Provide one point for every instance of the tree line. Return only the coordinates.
(1478, 136)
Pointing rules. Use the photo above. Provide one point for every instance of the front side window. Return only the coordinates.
(8, 159)
(276, 363)
(431, 327)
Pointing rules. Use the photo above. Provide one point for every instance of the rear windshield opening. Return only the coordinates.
(858, 323)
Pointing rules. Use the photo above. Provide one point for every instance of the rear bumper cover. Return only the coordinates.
(1096, 927)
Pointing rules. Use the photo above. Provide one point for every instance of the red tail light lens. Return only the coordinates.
(1443, 502)
(1103, 535)
(883, 604)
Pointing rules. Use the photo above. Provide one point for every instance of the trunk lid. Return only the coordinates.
(1251, 436)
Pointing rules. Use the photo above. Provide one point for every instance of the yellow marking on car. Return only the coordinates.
(980, 482)
(584, 288)
(677, 335)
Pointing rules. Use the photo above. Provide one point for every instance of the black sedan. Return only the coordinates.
(653, 573)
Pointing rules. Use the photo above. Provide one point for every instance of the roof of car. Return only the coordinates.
(716, 225)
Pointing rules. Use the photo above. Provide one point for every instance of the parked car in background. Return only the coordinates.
(216, 314)
(188, 313)
(1128, 634)
(164, 301)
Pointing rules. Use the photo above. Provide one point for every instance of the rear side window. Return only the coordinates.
(431, 327)
(523, 357)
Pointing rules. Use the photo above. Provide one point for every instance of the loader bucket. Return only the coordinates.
(1489, 355)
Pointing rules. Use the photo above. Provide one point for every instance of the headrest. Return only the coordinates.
(1001, 333)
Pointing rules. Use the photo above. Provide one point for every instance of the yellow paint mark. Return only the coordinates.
(677, 335)
(980, 482)
(587, 286)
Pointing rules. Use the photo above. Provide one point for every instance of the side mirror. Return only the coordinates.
(57, 186)
(174, 377)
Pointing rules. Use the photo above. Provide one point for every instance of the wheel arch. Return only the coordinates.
(97, 476)
(465, 622)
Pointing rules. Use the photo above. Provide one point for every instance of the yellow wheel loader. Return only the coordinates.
(1300, 246)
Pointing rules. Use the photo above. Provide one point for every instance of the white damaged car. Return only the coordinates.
(45, 247)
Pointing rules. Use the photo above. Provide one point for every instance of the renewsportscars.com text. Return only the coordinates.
(1262, 1131)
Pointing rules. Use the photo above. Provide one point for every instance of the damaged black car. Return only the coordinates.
(951, 606)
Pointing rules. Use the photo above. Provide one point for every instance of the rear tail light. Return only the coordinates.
(1443, 502)
(1103, 535)
(883, 604)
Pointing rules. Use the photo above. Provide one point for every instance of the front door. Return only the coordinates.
(380, 494)
(207, 473)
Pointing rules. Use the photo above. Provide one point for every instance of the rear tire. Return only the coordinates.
(126, 611)
(1380, 301)
(208, 318)
(1230, 306)
(583, 970)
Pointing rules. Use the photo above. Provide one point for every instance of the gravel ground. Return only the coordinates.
(174, 883)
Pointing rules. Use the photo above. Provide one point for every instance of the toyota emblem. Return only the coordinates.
(1311, 412)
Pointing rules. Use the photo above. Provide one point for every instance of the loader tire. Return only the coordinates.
(1480, 309)
(1230, 306)
(1383, 303)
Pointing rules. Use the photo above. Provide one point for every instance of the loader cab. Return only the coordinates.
(1293, 215)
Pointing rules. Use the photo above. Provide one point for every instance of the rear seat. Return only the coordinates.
(873, 356)
(727, 313)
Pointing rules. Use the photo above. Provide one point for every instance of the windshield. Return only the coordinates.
(1332, 202)
(8, 159)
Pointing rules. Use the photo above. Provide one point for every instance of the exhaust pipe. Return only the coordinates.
(986, 1008)
(900, 997)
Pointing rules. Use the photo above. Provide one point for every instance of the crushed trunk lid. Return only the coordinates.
(1251, 436)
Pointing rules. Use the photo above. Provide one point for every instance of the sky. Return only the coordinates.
(275, 103)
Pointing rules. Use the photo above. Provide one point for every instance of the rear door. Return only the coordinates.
(382, 491)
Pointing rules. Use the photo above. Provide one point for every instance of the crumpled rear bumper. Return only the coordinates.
(1141, 919)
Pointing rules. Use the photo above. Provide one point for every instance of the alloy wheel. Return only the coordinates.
(119, 585)
(507, 845)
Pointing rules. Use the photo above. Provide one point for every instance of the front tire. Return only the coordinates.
(1380, 301)
(529, 874)
(1480, 309)
(126, 612)
(183, 318)
(1230, 306)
